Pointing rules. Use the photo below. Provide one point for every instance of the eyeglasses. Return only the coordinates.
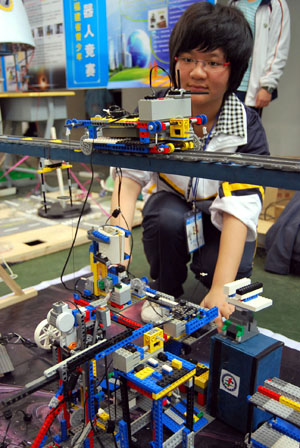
(208, 66)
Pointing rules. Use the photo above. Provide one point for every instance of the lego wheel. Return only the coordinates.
(86, 147)
(185, 146)
(45, 334)
(171, 147)
(77, 417)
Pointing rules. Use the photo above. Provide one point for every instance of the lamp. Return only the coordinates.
(15, 32)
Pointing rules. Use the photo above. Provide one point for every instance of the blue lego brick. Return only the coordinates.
(112, 386)
(63, 428)
(114, 278)
(60, 391)
(140, 350)
(91, 386)
(157, 375)
(57, 439)
(87, 292)
(76, 296)
(256, 444)
(123, 433)
(135, 334)
(185, 433)
(286, 428)
(94, 247)
(250, 298)
(199, 322)
(157, 412)
(152, 291)
(101, 236)
(123, 148)
(86, 443)
(127, 232)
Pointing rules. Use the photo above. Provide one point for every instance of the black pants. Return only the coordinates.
(165, 245)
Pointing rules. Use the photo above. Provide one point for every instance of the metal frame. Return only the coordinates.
(261, 170)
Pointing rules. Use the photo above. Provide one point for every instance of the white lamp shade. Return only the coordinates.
(15, 31)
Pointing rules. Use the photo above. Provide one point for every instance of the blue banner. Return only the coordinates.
(86, 43)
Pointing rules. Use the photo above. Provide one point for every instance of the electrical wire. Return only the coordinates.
(77, 228)
(118, 212)
(5, 435)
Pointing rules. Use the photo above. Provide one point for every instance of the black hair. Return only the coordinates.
(206, 27)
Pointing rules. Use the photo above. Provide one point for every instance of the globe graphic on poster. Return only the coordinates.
(138, 46)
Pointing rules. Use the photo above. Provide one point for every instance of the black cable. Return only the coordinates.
(150, 77)
(99, 382)
(77, 228)
(5, 435)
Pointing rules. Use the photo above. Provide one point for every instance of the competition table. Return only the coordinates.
(29, 363)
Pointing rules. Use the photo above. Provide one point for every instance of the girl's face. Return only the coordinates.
(204, 72)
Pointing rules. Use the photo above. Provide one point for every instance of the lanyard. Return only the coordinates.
(194, 187)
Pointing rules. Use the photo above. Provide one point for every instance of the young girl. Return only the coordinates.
(210, 47)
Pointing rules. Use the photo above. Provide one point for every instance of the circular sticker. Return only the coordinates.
(229, 382)
(7, 5)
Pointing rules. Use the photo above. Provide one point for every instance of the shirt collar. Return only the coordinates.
(231, 119)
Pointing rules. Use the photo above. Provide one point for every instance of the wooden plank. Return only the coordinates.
(19, 295)
(6, 301)
(36, 243)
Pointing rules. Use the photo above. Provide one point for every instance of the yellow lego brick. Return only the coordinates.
(100, 425)
(95, 271)
(94, 368)
(176, 364)
(179, 127)
(202, 380)
(174, 385)
(138, 297)
(48, 169)
(142, 374)
(289, 403)
(154, 339)
(104, 416)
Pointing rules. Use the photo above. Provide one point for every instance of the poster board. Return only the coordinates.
(82, 44)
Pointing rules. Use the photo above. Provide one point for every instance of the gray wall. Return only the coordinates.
(282, 118)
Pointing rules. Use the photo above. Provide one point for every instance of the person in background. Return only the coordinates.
(210, 47)
(270, 24)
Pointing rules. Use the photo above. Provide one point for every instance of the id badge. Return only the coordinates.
(194, 230)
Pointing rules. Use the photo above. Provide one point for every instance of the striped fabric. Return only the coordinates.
(249, 11)
(236, 189)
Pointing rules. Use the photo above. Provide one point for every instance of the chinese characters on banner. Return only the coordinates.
(86, 43)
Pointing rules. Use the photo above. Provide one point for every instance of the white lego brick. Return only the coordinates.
(152, 362)
(114, 250)
(167, 369)
(230, 288)
(258, 304)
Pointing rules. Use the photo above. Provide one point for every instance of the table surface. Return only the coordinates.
(36, 94)
(30, 363)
